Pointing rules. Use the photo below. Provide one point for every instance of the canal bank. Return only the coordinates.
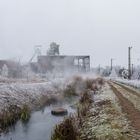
(40, 124)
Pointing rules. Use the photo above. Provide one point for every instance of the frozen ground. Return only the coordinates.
(133, 83)
(30, 94)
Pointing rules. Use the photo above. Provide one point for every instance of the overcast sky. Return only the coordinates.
(102, 29)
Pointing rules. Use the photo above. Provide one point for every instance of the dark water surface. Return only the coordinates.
(39, 127)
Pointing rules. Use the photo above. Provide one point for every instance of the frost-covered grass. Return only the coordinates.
(106, 120)
(85, 88)
(20, 93)
(15, 96)
(133, 83)
(34, 94)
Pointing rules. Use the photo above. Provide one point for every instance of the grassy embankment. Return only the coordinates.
(69, 128)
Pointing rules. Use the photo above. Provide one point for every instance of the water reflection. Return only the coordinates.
(39, 127)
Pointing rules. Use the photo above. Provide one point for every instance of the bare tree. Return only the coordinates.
(5, 71)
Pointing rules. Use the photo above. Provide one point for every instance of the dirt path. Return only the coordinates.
(128, 89)
(132, 113)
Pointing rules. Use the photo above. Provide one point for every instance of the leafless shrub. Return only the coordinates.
(86, 98)
(104, 102)
(70, 91)
(100, 81)
(77, 79)
(84, 105)
(82, 110)
(89, 83)
(66, 130)
(12, 114)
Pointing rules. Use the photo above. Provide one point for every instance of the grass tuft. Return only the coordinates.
(25, 113)
(66, 130)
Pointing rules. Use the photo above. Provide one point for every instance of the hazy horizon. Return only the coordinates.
(101, 29)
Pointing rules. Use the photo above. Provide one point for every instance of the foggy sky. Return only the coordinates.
(103, 29)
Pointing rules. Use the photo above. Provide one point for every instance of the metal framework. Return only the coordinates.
(64, 62)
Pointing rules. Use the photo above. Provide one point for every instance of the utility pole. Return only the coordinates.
(132, 71)
(99, 69)
(129, 62)
(111, 67)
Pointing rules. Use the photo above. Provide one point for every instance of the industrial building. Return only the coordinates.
(53, 61)
(63, 63)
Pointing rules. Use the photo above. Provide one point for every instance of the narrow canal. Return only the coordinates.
(40, 125)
